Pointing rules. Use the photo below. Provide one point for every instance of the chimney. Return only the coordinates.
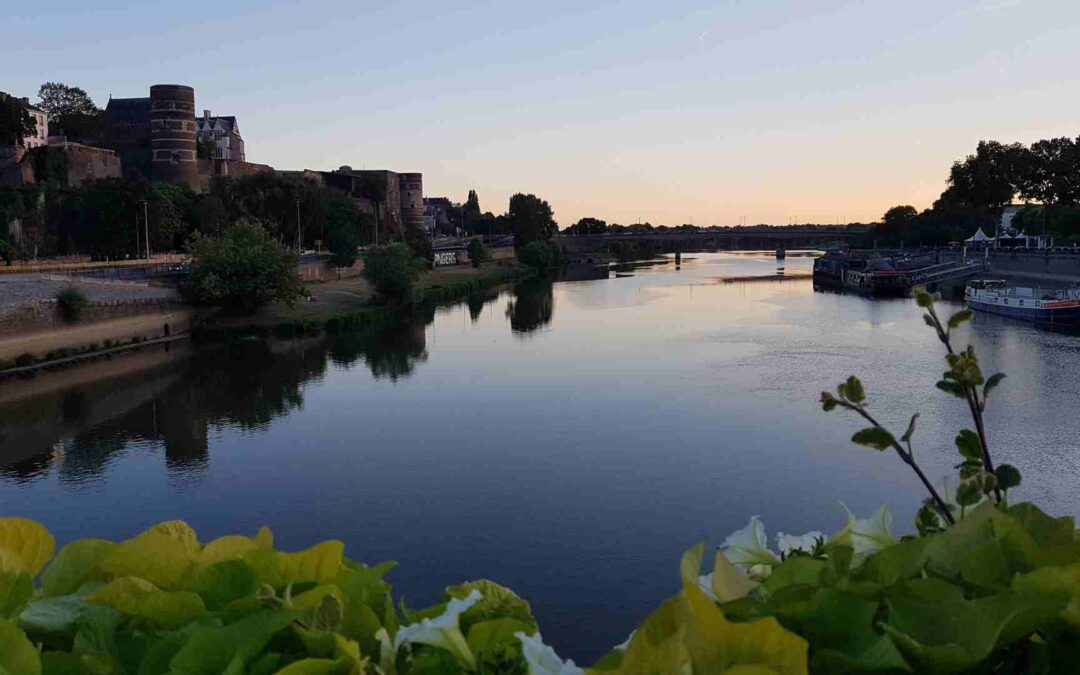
(206, 114)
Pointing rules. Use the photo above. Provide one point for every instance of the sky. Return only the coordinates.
(672, 112)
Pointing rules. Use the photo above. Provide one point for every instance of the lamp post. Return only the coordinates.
(297, 227)
(146, 228)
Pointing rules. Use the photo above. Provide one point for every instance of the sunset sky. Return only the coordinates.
(671, 112)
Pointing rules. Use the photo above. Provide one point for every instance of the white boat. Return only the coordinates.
(1055, 306)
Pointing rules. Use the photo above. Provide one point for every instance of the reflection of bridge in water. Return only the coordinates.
(744, 239)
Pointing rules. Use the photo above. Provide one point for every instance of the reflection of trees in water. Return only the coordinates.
(244, 384)
(532, 306)
(390, 350)
(477, 301)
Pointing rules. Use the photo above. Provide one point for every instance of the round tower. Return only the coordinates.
(172, 134)
(411, 190)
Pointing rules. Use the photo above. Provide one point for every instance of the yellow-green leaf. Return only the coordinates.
(164, 555)
(25, 545)
(728, 583)
(73, 566)
(223, 548)
(341, 666)
(18, 656)
(320, 563)
(140, 598)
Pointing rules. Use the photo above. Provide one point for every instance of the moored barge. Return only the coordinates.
(887, 275)
(1048, 306)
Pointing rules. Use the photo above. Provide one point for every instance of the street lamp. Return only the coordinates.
(146, 228)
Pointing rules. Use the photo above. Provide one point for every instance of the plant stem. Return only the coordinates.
(909, 459)
(971, 394)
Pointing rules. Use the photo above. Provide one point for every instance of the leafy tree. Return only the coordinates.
(344, 223)
(898, 216)
(243, 269)
(206, 148)
(15, 122)
(478, 253)
(991, 177)
(70, 109)
(392, 270)
(1054, 177)
(588, 226)
(536, 254)
(530, 218)
(471, 210)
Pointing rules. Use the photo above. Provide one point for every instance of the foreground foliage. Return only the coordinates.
(984, 587)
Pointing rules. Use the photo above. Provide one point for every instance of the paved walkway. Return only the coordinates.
(20, 290)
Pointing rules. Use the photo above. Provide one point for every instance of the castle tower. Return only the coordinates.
(172, 134)
(411, 189)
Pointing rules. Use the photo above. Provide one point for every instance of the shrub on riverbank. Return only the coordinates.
(535, 254)
(70, 303)
(392, 270)
(478, 253)
(244, 269)
(984, 586)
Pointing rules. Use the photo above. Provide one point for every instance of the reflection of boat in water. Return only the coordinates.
(1053, 306)
(894, 274)
(621, 275)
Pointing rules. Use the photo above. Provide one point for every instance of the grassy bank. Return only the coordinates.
(348, 304)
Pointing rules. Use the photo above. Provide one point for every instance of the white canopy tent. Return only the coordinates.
(979, 238)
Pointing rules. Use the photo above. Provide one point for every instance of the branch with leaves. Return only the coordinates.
(979, 477)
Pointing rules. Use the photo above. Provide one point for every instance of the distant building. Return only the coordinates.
(125, 129)
(397, 199)
(436, 214)
(157, 137)
(225, 133)
(40, 117)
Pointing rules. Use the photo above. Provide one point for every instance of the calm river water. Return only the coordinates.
(569, 441)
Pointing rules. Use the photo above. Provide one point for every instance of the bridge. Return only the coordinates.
(736, 239)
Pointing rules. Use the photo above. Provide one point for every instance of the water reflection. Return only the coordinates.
(532, 306)
(174, 404)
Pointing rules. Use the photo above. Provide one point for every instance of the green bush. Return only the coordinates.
(478, 253)
(70, 303)
(242, 269)
(392, 270)
(23, 360)
(535, 254)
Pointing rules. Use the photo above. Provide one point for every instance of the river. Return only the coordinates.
(568, 440)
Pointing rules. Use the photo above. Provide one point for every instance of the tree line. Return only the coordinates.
(979, 186)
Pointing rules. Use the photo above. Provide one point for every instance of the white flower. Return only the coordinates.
(542, 659)
(626, 644)
(869, 535)
(705, 584)
(748, 547)
(442, 631)
(804, 542)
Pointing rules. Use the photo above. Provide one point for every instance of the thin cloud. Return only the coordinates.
(1004, 4)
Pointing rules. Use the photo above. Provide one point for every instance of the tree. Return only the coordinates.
(588, 226)
(535, 254)
(344, 222)
(206, 148)
(392, 270)
(70, 109)
(478, 253)
(243, 269)
(471, 209)
(1054, 177)
(530, 218)
(15, 122)
(989, 179)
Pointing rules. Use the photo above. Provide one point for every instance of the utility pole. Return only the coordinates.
(297, 227)
(136, 234)
(146, 229)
